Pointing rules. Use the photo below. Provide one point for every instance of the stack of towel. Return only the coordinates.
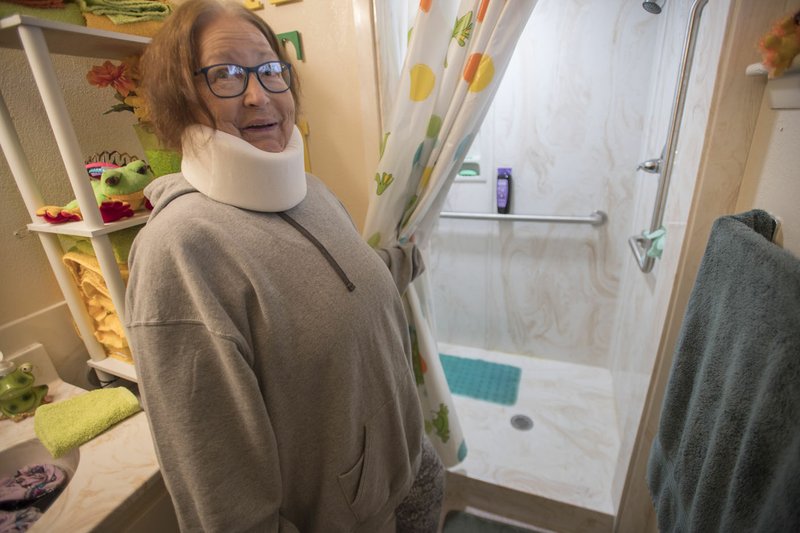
(137, 17)
(140, 17)
(82, 264)
(92, 287)
(727, 453)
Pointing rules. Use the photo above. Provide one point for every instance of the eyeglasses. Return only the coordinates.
(227, 80)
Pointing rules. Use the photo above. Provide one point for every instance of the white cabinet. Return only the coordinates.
(39, 39)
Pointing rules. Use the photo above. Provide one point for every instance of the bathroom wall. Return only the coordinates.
(343, 143)
(771, 176)
(339, 97)
(568, 118)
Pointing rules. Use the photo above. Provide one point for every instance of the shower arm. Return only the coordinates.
(639, 243)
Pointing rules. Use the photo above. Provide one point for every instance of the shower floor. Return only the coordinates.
(557, 475)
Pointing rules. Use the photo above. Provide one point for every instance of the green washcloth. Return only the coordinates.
(126, 11)
(64, 425)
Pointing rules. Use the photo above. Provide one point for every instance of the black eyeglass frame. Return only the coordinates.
(285, 67)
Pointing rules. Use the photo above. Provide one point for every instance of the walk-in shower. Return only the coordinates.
(586, 98)
(535, 292)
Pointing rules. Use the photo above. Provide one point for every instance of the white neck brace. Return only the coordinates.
(232, 171)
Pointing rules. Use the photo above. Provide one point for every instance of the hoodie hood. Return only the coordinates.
(161, 191)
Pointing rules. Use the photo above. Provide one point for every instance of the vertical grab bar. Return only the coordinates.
(639, 243)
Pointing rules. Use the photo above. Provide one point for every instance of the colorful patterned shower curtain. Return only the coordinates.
(449, 77)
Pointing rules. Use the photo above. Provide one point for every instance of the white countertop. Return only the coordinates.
(114, 473)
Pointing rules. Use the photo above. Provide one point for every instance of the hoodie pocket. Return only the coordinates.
(384, 468)
(350, 481)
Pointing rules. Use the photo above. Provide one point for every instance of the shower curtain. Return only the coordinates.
(457, 54)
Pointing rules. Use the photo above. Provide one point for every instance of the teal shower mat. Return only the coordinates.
(482, 380)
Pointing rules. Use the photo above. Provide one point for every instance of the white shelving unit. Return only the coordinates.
(783, 92)
(39, 39)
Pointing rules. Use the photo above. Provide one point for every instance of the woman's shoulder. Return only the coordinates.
(316, 185)
(319, 191)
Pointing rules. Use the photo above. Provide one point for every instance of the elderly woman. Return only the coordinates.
(270, 340)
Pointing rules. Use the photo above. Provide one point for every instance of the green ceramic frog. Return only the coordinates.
(18, 396)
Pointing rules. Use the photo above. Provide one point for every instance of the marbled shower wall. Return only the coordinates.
(568, 118)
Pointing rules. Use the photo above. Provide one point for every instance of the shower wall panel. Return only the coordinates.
(568, 118)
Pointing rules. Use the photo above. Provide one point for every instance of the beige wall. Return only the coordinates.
(338, 101)
(771, 179)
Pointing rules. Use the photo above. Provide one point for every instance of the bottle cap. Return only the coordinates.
(504, 170)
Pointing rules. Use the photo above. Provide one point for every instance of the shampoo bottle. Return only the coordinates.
(503, 190)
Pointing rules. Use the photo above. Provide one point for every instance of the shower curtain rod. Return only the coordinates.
(597, 218)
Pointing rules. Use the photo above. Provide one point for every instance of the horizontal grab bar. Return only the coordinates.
(597, 218)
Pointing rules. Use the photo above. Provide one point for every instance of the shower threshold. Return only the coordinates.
(556, 475)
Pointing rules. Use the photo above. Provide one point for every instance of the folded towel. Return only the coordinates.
(92, 287)
(127, 11)
(148, 28)
(122, 240)
(64, 425)
(727, 453)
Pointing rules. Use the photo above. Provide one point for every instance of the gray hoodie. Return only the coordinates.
(274, 363)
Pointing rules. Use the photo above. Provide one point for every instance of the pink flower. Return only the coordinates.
(115, 76)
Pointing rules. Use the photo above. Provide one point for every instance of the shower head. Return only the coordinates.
(653, 7)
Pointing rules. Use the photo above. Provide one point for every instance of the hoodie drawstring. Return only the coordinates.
(313, 240)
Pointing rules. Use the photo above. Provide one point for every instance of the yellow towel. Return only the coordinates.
(64, 425)
(92, 287)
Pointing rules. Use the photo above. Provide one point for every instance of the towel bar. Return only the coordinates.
(596, 218)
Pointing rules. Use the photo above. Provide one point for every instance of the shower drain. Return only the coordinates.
(521, 422)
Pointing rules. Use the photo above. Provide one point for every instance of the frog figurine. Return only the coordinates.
(119, 192)
(18, 397)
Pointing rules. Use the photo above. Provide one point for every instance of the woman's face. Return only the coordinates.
(263, 119)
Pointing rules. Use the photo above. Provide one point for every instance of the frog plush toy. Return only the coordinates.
(119, 192)
(18, 397)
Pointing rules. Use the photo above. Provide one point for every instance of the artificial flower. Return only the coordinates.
(125, 79)
(113, 75)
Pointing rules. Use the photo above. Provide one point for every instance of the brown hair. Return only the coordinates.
(171, 59)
